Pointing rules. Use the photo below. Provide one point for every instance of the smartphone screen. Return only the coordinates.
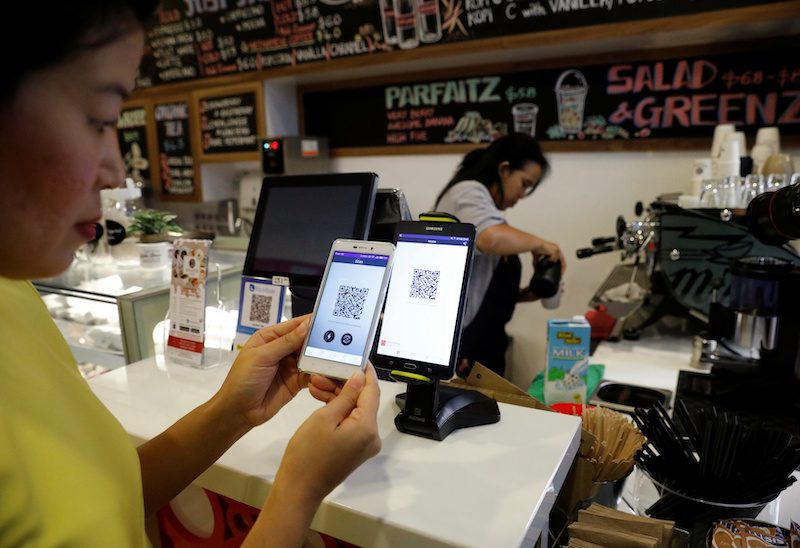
(344, 317)
(420, 319)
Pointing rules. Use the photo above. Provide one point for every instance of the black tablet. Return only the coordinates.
(299, 216)
(421, 327)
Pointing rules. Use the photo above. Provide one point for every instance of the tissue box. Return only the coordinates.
(567, 360)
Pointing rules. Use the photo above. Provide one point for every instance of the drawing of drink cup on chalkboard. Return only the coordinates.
(524, 115)
(429, 27)
(389, 21)
(405, 13)
(571, 90)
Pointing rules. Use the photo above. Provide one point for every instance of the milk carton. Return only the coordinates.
(567, 361)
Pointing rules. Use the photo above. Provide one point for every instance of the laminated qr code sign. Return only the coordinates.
(350, 302)
(260, 308)
(260, 305)
(424, 284)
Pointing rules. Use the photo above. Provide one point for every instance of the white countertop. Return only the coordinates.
(654, 361)
(490, 485)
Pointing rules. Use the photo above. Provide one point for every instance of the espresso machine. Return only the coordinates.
(730, 273)
(733, 279)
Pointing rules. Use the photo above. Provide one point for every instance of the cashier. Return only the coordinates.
(487, 182)
(69, 474)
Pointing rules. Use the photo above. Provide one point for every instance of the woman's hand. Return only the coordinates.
(334, 440)
(551, 251)
(324, 388)
(264, 376)
(326, 448)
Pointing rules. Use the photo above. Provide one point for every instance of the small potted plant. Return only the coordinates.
(153, 228)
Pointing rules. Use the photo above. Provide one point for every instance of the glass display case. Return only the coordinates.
(108, 313)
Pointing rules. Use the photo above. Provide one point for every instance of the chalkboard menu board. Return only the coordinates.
(173, 138)
(134, 138)
(672, 98)
(231, 122)
(204, 38)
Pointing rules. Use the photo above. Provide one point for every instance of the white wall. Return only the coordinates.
(580, 200)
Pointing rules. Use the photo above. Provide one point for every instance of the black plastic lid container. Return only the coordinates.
(755, 284)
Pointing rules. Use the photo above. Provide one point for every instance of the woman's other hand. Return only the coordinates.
(324, 388)
(326, 448)
(264, 376)
(334, 440)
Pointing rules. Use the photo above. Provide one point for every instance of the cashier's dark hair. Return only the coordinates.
(61, 29)
(481, 164)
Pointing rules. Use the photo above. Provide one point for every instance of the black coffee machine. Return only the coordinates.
(734, 280)
(729, 273)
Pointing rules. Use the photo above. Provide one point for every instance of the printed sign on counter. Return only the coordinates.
(260, 305)
(187, 301)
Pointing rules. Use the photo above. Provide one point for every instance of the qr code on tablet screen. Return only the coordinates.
(424, 284)
(260, 307)
(350, 302)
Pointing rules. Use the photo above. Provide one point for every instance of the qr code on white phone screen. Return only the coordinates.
(424, 284)
(350, 302)
(260, 307)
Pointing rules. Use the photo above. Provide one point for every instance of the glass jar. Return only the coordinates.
(692, 514)
(119, 207)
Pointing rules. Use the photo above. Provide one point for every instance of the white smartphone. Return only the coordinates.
(347, 308)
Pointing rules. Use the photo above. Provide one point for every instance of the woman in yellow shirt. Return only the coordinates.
(68, 472)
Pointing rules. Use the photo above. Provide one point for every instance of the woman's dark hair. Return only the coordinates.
(481, 164)
(62, 29)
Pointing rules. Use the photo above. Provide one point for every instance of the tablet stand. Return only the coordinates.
(433, 412)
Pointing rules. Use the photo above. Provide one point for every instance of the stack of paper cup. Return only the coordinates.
(721, 133)
(739, 137)
(760, 154)
(769, 136)
(729, 160)
(768, 143)
(720, 136)
(701, 171)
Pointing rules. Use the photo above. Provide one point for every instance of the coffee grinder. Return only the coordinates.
(755, 289)
(749, 326)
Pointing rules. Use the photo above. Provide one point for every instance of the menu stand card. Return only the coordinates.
(187, 302)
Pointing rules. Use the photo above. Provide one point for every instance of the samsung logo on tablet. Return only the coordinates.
(437, 228)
